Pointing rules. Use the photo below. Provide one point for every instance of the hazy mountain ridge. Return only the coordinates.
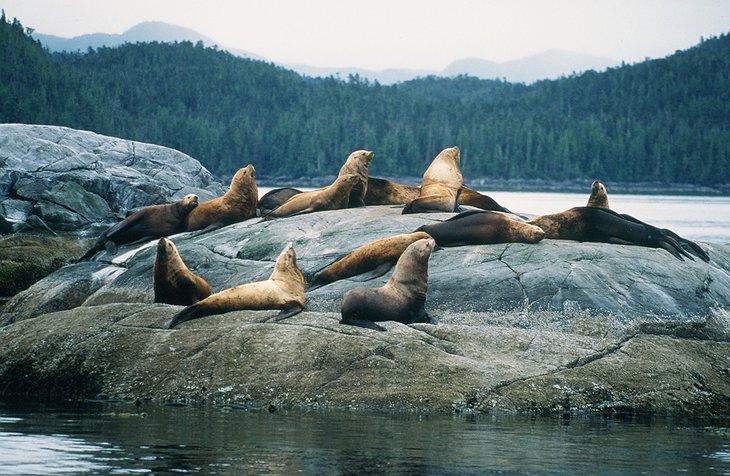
(548, 64)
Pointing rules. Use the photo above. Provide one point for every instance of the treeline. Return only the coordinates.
(664, 120)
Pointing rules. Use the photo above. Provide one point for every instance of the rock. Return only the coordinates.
(60, 179)
(550, 327)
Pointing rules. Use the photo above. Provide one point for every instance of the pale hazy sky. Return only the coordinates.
(417, 34)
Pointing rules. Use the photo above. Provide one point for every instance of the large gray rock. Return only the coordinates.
(547, 327)
(60, 179)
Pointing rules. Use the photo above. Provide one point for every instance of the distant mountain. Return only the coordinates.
(143, 32)
(550, 64)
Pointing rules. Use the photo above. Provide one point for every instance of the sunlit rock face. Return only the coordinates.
(549, 327)
(66, 180)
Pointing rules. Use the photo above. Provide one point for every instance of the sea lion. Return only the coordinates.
(440, 185)
(357, 164)
(377, 256)
(283, 290)
(332, 197)
(172, 281)
(273, 199)
(477, 227)
(472, 198)
(401, 299)
(150, 222)
(599, 195)
(236, 205)
(386, 192)
(604, 225)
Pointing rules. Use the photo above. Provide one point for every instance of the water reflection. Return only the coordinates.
(120, 439)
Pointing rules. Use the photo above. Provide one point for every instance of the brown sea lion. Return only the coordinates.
(401, 299)
(599, 195)
(275, 198)
(357, 164)
(377, 256)
(172, 281)
(236, 205)
(472, 198)
(440, 185)
(477, 227)
(283, 290)
(333, 197)
(150, 222)
(604, 225)
(386, 192)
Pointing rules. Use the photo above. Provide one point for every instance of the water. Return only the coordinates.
(122, 439)
(697, 218)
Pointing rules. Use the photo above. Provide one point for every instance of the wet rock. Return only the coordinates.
(550, 327)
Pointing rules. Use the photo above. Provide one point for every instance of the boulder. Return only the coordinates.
(549, 327)
(65, 180)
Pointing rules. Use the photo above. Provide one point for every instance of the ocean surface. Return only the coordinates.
(97, 438)
(119, 438)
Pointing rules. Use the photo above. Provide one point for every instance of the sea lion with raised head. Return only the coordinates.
(599, 195)
(478, 227)
(275, 198)
(375, 258)
(333, 197)
(172, 281)
(604, 225)
(357, 164)
(283, 290)
(401, 299)
(150, 222)
(440, 185)
(236, 205)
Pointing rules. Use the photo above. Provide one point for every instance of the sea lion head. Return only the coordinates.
(528, 233)
(422, 248)
(362, 156)
(287, 260)
(347, 179)
(185, 205)
(243, 186)
(599, 195)
(244, 175)
(166, 247)
(167, 256)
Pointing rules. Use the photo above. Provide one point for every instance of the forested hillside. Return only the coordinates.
(664, 120)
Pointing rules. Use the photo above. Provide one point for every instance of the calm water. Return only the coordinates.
(122, 439)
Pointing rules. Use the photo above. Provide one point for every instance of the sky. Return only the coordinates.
(412, 34)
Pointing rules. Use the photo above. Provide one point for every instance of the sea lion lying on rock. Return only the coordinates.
(401, 299)
(606, 226)
(236, 205)
(477, 227)
(334, 197)
(376, 257)
(150, 222)
(283, 290)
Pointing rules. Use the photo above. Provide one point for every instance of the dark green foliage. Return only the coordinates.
(664, 120)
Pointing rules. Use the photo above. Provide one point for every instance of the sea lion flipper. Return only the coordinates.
(187, 314)
(380, 270)
(288, 312)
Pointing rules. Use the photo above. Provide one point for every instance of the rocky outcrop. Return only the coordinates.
(64, 180)
(547, 327)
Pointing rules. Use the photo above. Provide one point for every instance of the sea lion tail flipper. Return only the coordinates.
(191, 312)
(688, 245)
(288, 312)
(89, 254)
(363, 323)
